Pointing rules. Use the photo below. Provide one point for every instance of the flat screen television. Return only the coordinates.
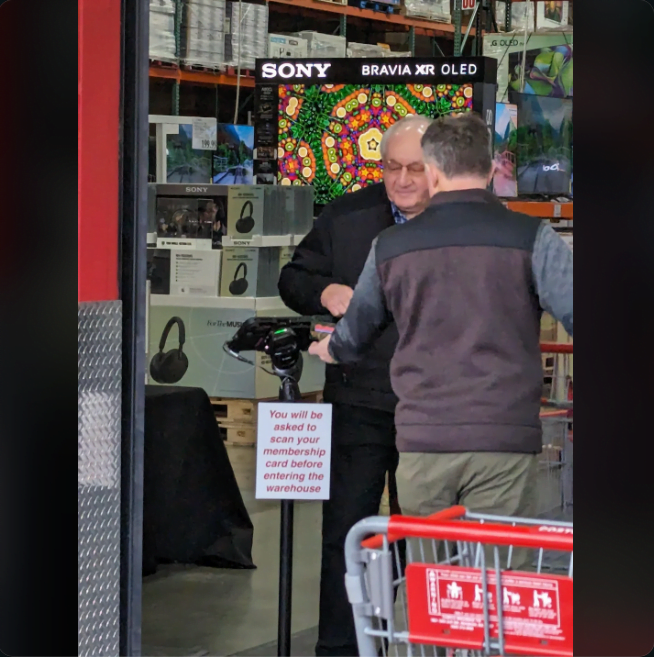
(544, 145)
(505, 183)
(323, 126)
(232, 159)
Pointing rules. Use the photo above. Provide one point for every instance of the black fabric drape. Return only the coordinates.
(193, 510)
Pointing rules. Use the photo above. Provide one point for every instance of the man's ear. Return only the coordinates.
(433, 176)
(491, 174)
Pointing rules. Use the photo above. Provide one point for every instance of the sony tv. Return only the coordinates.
(544, 145)
(321, 123)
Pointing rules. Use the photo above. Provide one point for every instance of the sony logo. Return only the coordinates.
(201, 190)
(294, 70)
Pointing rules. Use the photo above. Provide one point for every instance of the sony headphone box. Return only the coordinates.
(187, 216)
(245, 211)
(250, 271)
(184, 272)
(186, 348)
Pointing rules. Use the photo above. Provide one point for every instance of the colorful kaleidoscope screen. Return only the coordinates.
(329, 135)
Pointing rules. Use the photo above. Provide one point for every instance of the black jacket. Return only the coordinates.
(334, 252)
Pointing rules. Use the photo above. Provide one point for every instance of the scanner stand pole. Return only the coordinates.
(289, 391)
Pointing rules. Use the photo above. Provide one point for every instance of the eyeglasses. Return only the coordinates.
(413, 169)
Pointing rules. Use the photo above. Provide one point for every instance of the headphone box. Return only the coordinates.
(187, 216)
(184, 272)
(250, 271)
(199, 361)
(245, 211)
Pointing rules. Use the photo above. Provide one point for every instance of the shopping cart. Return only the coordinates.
(467, 602)
(556, 459)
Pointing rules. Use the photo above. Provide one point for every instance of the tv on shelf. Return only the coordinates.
(544, 150)
(321, 122)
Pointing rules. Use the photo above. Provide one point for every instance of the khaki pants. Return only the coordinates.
(484, 482)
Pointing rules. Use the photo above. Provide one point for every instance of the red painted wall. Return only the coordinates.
(98, 116)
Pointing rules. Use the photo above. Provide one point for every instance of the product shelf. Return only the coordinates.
(544, 209)
(199, 77)
(421, 25)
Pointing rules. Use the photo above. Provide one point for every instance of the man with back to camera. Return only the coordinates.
(466, 283)
(319, 280)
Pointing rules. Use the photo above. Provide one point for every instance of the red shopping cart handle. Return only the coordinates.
(375, 542)
(534, 536)
(556, 347)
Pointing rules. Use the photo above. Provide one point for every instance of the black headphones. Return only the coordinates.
(239, 285)
(171, 366)
(245, 222)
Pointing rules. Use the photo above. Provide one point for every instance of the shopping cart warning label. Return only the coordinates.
(447, 607)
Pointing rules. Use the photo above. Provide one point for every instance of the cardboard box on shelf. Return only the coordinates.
(250, 271)
(523, 15)
(552, 15)
(245, 210)
(506, 47)
(184, 272)
(282, 46)
(324, 45)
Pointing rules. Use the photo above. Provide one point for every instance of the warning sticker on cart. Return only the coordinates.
(446, 608)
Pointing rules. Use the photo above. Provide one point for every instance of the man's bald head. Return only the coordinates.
(404, 173)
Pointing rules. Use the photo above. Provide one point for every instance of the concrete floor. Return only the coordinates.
(189, 611)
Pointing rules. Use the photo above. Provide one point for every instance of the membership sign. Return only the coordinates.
(293, 451)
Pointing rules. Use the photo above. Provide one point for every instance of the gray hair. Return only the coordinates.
(459, 145)
(410, 122)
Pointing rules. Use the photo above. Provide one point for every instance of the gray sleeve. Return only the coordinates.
(552, 270)
(366, 317)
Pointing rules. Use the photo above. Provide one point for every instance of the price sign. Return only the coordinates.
(204, 134)
(467, 5)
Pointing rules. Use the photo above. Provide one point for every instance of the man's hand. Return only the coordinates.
(336, 298)
(321, 350)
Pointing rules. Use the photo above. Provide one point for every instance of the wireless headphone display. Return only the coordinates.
(239, 286)
(245, 222)
(171, 366)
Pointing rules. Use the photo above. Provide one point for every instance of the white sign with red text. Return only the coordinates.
(293, 451)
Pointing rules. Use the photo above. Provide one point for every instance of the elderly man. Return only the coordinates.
(320, 280)
(466, 283)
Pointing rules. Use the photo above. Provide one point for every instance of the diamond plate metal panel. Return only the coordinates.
(99, 339)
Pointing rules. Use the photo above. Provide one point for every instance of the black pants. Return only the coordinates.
(363, 452)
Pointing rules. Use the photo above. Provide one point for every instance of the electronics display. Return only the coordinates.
(548, 71)
(233, 157)
(170, 367)
(324, 120)
(505, 183)
(544, 145)
(330, 135)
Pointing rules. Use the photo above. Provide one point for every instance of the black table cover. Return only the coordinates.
(193, 511)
